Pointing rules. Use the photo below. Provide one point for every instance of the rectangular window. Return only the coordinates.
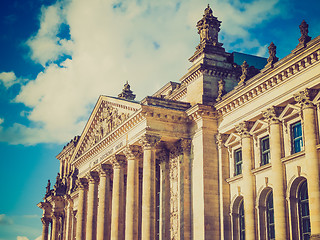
(296, 136)
(238, 161)
(265, 150)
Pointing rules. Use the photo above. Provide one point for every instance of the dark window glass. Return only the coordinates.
(238, 161)
(304, 216)
(265, 150)
(242, 229)
(270, 217)
(296, 133)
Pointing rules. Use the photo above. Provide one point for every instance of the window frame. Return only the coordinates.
(237, 162)
(303, 234)
(298, 138)
(263, 152)
(270, 211)
(241, 219)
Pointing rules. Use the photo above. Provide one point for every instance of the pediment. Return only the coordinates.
(317, 98)
(233, 138)
(258, 126)
(108, 114)
(289, 111)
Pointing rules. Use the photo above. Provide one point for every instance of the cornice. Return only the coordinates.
(283, 71)
(199, 111)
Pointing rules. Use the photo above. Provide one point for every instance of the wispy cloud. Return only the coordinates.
(22, 238)
(145, 42)
(5, 220)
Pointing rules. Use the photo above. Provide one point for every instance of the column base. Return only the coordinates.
(315, 237)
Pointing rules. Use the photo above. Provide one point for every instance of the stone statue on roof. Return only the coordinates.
(127, 93)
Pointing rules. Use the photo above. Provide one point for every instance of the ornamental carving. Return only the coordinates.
(272, 54)
(305, 38)
(221, 90)
(243, 128)
(93, 176)
(109, 119)
(221, 138)
(133, 152)
(272, 114)
(104, 170)
(82, 183)
(174, 197)
(162, 156)
(304, 98)
(149, 141)
(117, 161)
(186, 145)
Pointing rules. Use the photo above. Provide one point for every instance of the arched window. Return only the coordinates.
(270, 217)
(242, 229)
(304, 216)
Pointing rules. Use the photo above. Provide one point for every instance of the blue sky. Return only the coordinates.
(57, 57)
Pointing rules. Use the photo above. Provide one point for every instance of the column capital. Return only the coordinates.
(272, 114)
(133, 152)
(175, 149)
(304, 98)
(162, 155)
(93, 177)
(149, 141)
(117, 161)
(104, 170)
(45, 220)
(221, 139)
(243, 129)
(186, 145)
(82, 183)
(56, 215)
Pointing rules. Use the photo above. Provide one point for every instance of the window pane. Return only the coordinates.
(304, 217)
(297, 143)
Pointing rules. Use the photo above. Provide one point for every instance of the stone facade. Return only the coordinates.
(229, 152)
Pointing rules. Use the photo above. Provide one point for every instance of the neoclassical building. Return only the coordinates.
(230, 151)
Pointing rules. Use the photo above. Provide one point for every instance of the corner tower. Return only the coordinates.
(211, 64)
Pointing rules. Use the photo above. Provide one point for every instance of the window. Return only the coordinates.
(265, 150)
(304, 216)
(296, 135)
(238, 161)
(242, 229)
(270, 217)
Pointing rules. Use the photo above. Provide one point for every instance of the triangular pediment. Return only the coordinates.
(258, 126)
(289, 111)
(108, 114)
(232, 139)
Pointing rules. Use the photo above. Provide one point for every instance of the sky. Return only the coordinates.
(57, 57)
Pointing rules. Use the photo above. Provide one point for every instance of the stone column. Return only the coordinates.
(224, 191)
(164, 215)
(82, 207)
(104, 220)
(279, 198)
(312, 159)
(45, 227)
(91, 230)
(248, 178)
(117, 215)
(132, 206)
(148, 187)
(186, 171)
(69, 218)
(55, 225)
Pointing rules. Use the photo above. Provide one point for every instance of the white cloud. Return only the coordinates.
(22, 238)
(8, 79)
(113, 42)
(39, 238)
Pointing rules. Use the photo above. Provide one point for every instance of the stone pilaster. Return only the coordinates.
(118, 211)
(312, 158)
(133, 154)
(186, 171)
(247, 165)
(91, 230)
(224, 191)
(45, 227)
(279, 199)
(148, 187)
(104, 219)
(82, 207)
(164, 215)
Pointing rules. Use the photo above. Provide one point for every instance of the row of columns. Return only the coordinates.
(93, 220)
(279, 191)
